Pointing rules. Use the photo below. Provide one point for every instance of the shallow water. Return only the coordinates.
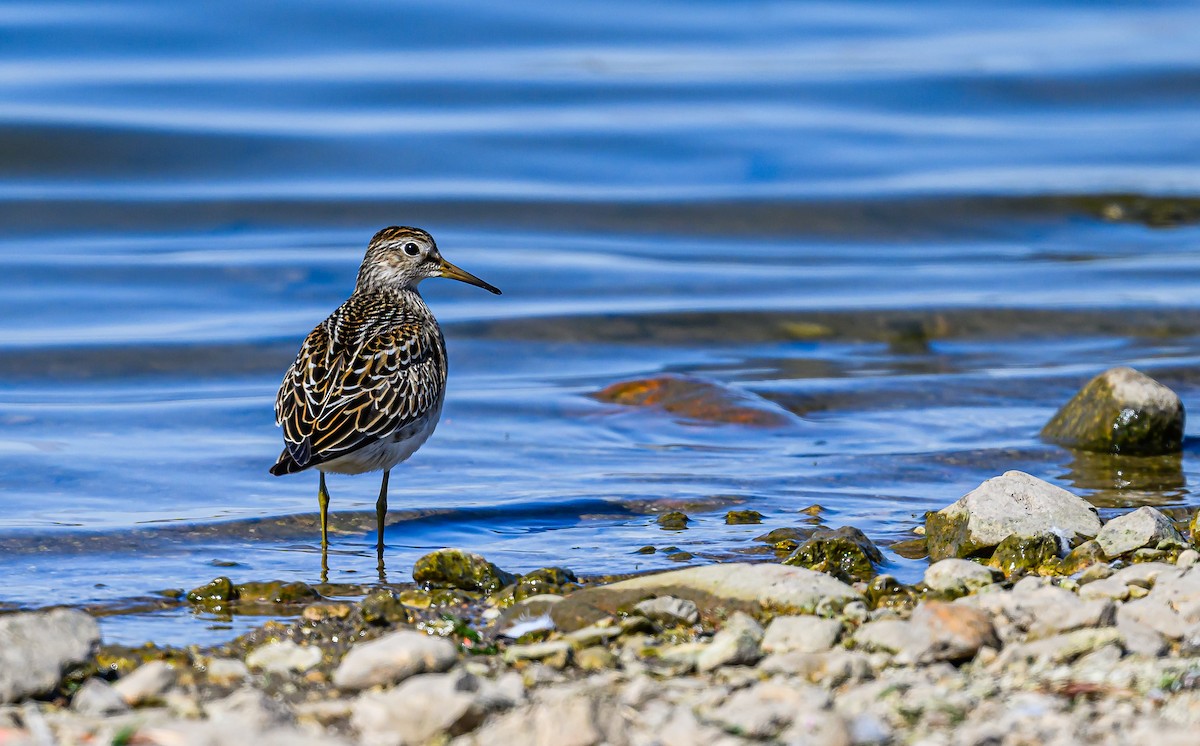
(688, 188)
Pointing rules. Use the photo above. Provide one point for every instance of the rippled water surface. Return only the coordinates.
(902, 223)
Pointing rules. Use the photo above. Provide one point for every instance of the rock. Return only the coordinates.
(419, 709)
(597, 634)
(1188, 557)
(146, 683)
(763, 710)
(1120, 411)
(1151, 613)
(958, 576)
(384, 606)
(736, 643)
(956, 631)
(1013, 503)
(554, 653)
(1087, 554)
(226, 671)
(1138, 638)
(786, 539)
(734, 585)
(561, 718)
(669, 610)
(1020, 555)
(673, 520)
(251, 708)
(698, 399)
(37, 648)
(97, 699)
(1059, 648)
(885, 592)
(743, 517)
(845, 553)
(1108, 588)
(595, 658)
(454, 568)
(895, 636)
(1144, 527)
(284, 656)
(805, 634)
(545, 581)
(393, 658)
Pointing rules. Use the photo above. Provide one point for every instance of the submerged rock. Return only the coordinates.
(1013, 503)
(455, 568)
(1120, 411)
(845, 553)
(673, 521)
(786, 539)
(697, 399)
(38, 648)
(1144, 527)
(741, 517)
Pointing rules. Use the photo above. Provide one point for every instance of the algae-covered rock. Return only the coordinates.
(1022, 555)
(1120, 411)
(786, 539)
(1013, 503)
(845, 553)
(742, 517)
(673, 521)
(1083, 556)
(1145, 527)
(546, 580)
(274, 592)
(214, 595)
(384, 606)
(455, 568)
(885, 592)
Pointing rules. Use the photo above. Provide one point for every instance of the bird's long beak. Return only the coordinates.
(454, 273)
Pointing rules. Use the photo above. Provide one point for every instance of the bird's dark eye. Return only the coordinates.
(412, 249)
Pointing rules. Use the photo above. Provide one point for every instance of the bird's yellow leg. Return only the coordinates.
(323, 501)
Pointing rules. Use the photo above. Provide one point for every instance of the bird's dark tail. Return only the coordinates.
(286, 465)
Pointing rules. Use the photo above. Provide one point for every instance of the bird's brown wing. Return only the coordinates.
(352, 384)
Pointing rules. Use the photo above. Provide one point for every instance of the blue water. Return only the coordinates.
(186, 189)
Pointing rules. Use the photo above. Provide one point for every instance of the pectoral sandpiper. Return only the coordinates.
(367, 386)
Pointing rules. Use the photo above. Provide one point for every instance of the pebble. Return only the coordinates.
(669, 610)
(98, 699)
(1144, 527)
(226, 671)
(805, 634)
(284, 656)
(37, 647)
(553, 653)
(145, 683)
(392, 658)
(955, 575)
(736, 643)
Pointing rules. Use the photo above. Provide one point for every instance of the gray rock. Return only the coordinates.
(393, 658)
(830, 669)
(97, 699)
(1108, 588)
(763, 710)
(1153, 614)
(1120, 411)
(1059, 648)
(145, 683)
(226, 671)
(561, 718)
(1187, 558)
(251, 708)
(553, 653)
(1138, 638)
(1144, 527)
(736, 643)
(953, 575)
(805, 634)
(895, 636)
(284, 656)
(421, 708)
(37, 648)
(669, 610)
(1015, 503)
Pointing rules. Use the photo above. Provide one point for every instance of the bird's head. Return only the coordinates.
(400, 257)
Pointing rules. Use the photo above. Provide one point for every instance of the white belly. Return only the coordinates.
(385, 453)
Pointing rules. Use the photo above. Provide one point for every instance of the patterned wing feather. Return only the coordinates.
(355, 383)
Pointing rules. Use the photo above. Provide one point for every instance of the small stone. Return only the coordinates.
(597, 634)
(284, 656)
(226, 671)
(1188, 557)
(1019, 555)
(251, 708)
(1109, 588)
(385, 606)
(37, 648)
(742, 517)
(455, 568)
(97, 699)
(958, 576)
(1144, 527)
(595, 658)
(1120, 411)
(736, 643)
(893, 636)
(669, 610)
(682, 658)
(956, 631)
(763, 710)
(805, 634)
(673, 521)
(1013, 503)
(845, 553)
(419, 709)
(1094, 573)
(393, 658)
(786, 539)
(554, 653)
(321, 612)
(1083, 557)
(146, 683)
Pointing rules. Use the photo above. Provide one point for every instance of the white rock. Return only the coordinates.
(669, 610)
(1187, 558)
(250, 707)
(284, 656)
(226, 671)
(393, 658)
(805, 634)
(1144, 527)
(97, 699)
(736, 643)
(145, 683)
(37, 647)
(953, 575)
(419, 709)
(1016, 503)
(763, 710)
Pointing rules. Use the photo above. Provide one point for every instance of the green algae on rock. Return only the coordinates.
(673, 521)
(1120, 411)
(786, 539)
(741, 517)
(1024, 555)
(1087, 554)
(845, 553)
(455, 568)
(1013, 503)
(545, 580)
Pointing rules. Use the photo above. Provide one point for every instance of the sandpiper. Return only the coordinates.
(367, 386)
